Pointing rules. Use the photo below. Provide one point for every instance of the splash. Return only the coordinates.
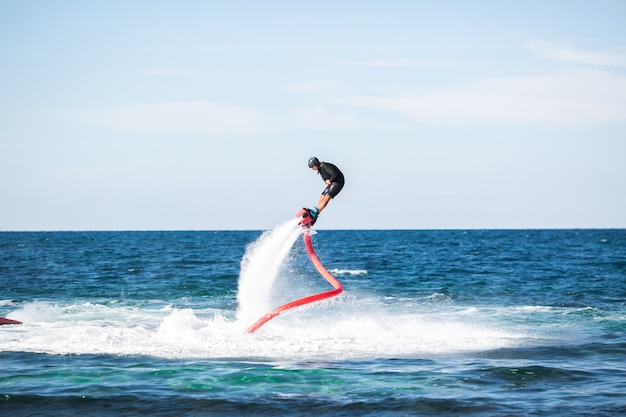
(358, 329)
(260, 266)
(314, 298)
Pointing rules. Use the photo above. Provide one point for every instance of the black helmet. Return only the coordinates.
(313, 161)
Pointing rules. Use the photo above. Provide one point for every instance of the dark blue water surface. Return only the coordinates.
(460, 322)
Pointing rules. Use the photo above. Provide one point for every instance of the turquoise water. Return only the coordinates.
(495, 322)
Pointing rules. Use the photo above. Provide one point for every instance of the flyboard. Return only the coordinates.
(8, 321)
(306, 222)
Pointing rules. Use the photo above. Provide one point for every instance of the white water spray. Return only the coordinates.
(260, 266)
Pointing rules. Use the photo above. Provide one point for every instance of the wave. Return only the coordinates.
(331, 330)
(348, 271)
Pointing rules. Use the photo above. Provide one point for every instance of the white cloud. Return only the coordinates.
(182, 117)
(568, 98)
(165, 71)
(311, 86)
(383, 63)
(565, 53)
(320, 118)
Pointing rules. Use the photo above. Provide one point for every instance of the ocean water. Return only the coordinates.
(458, 323)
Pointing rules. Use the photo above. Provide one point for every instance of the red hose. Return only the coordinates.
(338, 289)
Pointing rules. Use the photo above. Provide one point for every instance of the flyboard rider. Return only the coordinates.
(333, 178)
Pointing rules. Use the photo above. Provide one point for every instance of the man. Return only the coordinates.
(333, 178)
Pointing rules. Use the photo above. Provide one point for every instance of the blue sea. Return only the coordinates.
(430, 323)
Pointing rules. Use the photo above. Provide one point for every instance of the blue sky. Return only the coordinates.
(201, 115)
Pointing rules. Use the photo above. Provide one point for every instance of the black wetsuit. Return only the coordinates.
(330, 172)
